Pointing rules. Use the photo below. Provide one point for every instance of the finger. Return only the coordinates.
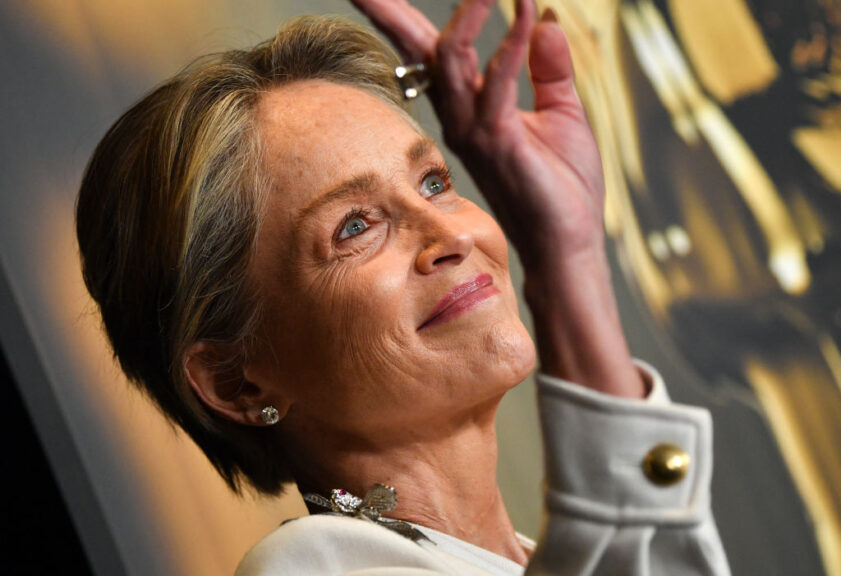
(499, 91)
(550, 65)
(456, 57)
(466, 23)
(405, 26)
(457, 78)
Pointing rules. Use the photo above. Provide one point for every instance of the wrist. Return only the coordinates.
(577, 324)
(555, 279)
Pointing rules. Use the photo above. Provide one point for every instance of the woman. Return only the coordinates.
(283, 264)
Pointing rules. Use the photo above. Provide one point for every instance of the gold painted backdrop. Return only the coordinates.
(720, 125)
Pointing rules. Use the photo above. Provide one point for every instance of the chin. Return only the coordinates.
(511, 353)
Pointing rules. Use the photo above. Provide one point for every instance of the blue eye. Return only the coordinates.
(432, 185)
(353, 227)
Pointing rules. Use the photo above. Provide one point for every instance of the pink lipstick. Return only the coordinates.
(460, 299)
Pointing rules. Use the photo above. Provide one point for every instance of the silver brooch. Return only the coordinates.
(379, 499)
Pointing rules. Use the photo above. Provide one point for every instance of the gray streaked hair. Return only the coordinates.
(168, 214)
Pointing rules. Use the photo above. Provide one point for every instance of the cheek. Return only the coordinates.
(488, 235)
(360, 299)
(353, 343)
(491, 241)
(352, 315)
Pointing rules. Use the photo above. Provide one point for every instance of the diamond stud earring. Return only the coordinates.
(269, 415)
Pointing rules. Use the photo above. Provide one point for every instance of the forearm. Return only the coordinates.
(579, 333)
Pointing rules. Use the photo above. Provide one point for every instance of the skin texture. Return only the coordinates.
(363, 394)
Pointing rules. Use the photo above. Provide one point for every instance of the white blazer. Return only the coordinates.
(604, 514)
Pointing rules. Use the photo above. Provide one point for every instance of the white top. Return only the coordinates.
(602, 515)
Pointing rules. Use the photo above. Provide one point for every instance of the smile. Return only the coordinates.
(461, 299)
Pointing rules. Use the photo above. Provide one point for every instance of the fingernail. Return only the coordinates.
(549, 15)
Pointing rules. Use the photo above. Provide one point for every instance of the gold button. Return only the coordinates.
(666, 464)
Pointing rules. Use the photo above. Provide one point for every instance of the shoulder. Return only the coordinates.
(326, 544)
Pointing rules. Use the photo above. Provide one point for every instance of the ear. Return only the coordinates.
(218, 377)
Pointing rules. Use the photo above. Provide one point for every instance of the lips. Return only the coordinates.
(460, 299)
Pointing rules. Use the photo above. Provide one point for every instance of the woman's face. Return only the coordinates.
(388, 302)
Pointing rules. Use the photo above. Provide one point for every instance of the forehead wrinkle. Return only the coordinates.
(364, 183)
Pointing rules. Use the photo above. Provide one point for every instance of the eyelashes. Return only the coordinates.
(444, 172)
(353, 224)
(441, 170)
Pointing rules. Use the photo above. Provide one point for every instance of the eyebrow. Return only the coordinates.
(420, 149)
(366, 182)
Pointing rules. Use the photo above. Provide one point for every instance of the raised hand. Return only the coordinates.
(539, 169)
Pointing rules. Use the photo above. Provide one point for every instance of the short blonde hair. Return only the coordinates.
(168, 214)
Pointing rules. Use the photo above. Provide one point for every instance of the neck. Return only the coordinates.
(447, 483)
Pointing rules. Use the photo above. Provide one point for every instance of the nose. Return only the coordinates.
(446, 241)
